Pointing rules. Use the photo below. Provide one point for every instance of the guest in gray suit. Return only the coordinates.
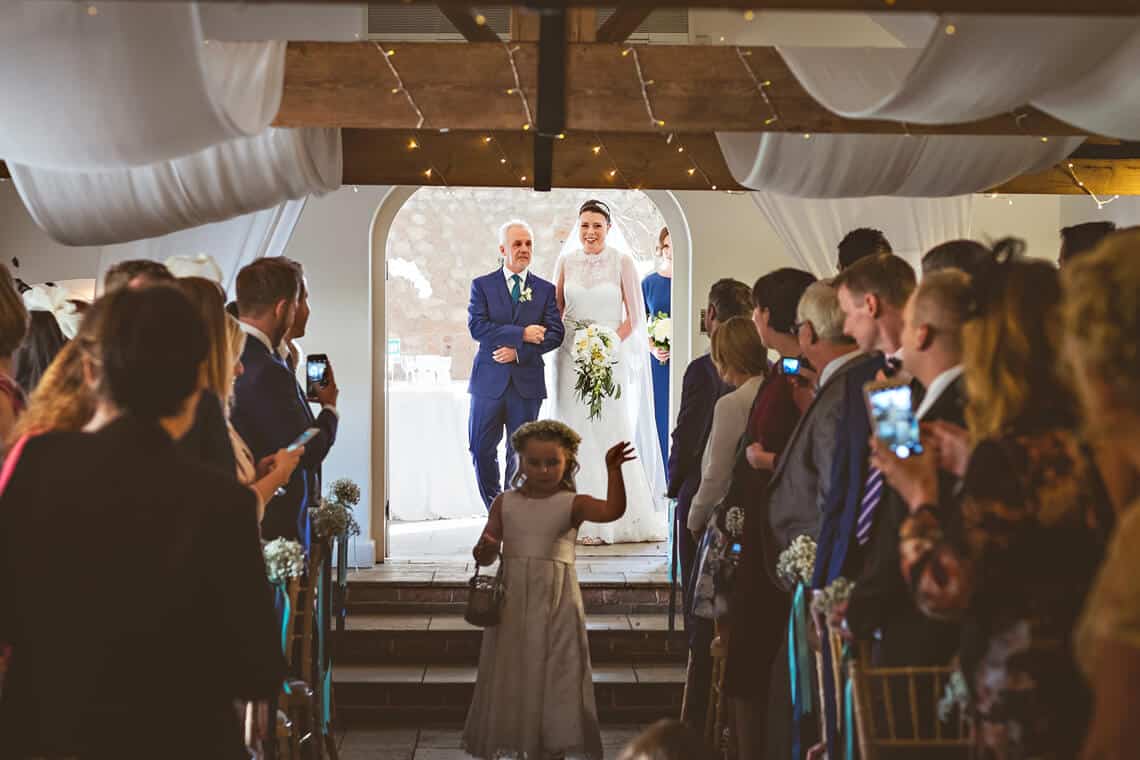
(799, 487)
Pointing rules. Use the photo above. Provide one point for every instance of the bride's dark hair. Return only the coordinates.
(598, 207)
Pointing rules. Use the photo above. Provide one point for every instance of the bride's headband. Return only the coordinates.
(597, 207)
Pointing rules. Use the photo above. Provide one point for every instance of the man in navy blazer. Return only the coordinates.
(270, 409)
(514, 317)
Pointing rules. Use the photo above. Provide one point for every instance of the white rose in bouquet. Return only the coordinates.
(661, 331)
(595, 353)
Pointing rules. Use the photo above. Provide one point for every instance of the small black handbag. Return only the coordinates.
(485, 599)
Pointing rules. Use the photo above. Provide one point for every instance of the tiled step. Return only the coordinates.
(391, 694)
(448, 639)
(431, 590)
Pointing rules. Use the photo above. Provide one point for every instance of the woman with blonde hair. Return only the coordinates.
(1013, 560)
(1101, 319)
(272, 472)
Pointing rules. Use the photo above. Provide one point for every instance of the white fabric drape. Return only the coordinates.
(856, 165)
(1078, 69)
(227, 180)
(128, 84)
(232, 243)
(811, 229)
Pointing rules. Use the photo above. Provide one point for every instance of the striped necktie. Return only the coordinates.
(872, 494)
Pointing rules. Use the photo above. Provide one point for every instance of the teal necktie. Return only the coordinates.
(516, 291)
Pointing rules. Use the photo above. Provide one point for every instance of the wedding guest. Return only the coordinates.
(208, 440)
(136, 273)
(13, 328)
(545, 708)
(657, 290)
(1082, 238)
(881, 601)
(272, 472)
(269, 411)
(1101, 318)
(198, 265)
(666, 740)
(859, 244)
(758, 610)
(289, 350)
(65, 398)
(968, 255)
(153, 651)
(872, 293)
(802, 483)
(52, 320)
(700, 389)
(1013, 561)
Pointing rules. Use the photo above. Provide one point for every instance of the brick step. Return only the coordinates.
(375, 695)
(448, 638)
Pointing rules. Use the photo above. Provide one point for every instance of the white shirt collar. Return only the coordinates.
(937, 387)
(252, 331)
(508, 274)
(835, 365)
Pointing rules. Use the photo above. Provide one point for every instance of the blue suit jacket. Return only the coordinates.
(495, 322)
(700, 390)
(269, 413)
(848, 475)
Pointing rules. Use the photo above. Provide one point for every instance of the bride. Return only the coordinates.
(597, 283)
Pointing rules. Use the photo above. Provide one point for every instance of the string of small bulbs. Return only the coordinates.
(517, 89)
(1100, 202)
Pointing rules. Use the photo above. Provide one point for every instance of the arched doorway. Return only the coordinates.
(426, 246)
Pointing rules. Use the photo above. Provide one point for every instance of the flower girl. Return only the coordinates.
(534, 697)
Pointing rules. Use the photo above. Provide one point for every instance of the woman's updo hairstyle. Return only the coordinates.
(598, 207)
(551, 431)
(152, 343)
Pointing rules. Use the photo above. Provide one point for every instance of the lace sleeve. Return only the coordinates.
(631, 295)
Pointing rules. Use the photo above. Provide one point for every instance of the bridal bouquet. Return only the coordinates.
(661, 331)
(797, 563)
(595, 353)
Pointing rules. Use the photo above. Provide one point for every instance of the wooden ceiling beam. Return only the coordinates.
(624, 22)
(696, 88)
(1004, 7)
(463, 18)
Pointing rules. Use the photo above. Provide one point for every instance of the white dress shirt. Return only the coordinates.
(937, 387)
(508, 274)
(730, 421)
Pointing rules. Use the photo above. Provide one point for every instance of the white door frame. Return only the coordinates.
(382, 220)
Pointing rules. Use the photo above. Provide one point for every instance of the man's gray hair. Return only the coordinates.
(820, 306)
(507, 227)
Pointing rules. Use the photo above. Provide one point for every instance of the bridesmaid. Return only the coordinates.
(657, 288)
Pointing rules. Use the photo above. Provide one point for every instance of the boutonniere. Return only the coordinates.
(526, 295)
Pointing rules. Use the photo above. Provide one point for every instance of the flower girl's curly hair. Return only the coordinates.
(549, 430)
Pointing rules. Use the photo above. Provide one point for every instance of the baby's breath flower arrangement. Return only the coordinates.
(797, 563)
(334, 516)
(284, 559)
(837, 592)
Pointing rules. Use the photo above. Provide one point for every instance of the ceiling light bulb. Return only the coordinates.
(526, 127)
(613, 173)
(681, 149)
(412, 145)
(427, 173)
(481, 20)
(951, 30)
(692, 172)
(486, 140)
(502, 160)
(597, 149)
(749, 15)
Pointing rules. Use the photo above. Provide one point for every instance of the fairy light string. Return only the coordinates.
(399, 89)
(762, 86)
(1100, 202)
(518, 89)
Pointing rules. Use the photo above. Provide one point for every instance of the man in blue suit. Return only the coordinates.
(514, 317)
(270, 409)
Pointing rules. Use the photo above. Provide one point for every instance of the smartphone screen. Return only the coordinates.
(316, 373)
(893, 420)
(790, 365)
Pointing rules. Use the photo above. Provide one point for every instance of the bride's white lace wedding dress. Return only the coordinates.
(592, 286)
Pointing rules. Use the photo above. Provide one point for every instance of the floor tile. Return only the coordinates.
(451, 674)
(378, 673)
(660, 673)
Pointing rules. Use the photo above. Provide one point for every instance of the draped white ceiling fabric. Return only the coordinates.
(231, 244)
(812, 228)
(1078, 69)
(855, 165)
(120, 83)
(227, 180)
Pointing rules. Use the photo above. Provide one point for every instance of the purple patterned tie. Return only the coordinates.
(872, 493)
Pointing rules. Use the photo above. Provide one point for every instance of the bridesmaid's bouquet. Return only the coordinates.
(595, 353)
(661, 331)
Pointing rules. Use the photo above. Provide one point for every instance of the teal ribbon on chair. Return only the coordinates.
(286, 609)
(848, 705)
(799, 664)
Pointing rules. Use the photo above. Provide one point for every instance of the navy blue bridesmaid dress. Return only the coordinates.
(657, 291)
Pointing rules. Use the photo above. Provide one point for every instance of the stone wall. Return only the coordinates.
(443, 238)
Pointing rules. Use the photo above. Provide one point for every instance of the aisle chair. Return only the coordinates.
(298, 723)
(718, 727)
(897, 709)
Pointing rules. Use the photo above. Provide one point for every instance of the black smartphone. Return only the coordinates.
(892, 416)
(790, 365)
(316, 374)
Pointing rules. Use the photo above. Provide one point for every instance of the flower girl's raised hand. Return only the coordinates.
(619, 454)
(613, 507)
